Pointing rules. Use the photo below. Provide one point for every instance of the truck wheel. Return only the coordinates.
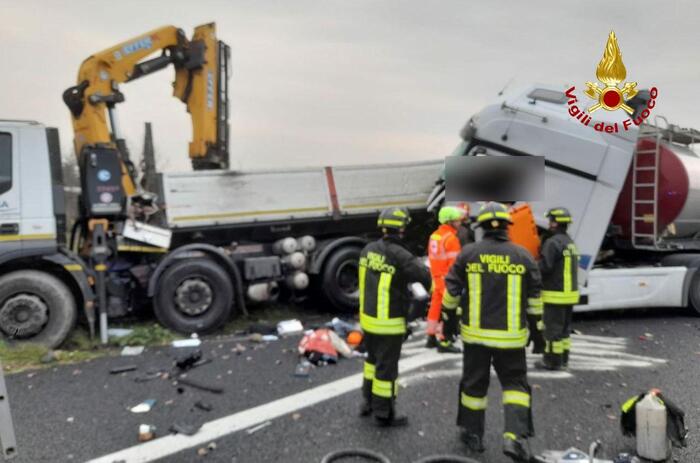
(694, 293)
(36, 307)
(193, 296)
(340, 285)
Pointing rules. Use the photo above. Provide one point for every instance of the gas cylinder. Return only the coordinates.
(652, 441)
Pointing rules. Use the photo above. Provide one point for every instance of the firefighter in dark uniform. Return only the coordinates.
(501, 281)
(559, 268)
(385, 271)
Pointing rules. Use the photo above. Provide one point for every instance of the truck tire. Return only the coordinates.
(339, 282)
(36, 307)
(193, 296)
(694, 294)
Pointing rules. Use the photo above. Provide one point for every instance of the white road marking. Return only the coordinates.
(169, 445)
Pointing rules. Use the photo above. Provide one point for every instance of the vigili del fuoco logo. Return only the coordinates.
(612, 95)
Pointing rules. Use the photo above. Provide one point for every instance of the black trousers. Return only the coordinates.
(379, 386)
(511, 368)
(557, 331)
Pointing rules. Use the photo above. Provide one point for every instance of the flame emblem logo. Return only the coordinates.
(611, 71)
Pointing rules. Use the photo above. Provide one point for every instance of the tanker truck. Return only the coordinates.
(634, 193)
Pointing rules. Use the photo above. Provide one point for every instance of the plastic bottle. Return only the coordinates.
(652, 441)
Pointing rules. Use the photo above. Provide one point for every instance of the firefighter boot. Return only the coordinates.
(516, 448)
(447, 347)
(365, 409)
(394, 421)
(474, 442)
(431, 342)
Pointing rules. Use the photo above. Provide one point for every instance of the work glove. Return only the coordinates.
(536, 333)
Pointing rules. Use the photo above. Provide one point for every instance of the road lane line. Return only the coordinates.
(171, 444)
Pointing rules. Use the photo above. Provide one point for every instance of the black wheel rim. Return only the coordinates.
(347, 279)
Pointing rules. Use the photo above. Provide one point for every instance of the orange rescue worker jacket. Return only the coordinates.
(443, 248)
(523, 230)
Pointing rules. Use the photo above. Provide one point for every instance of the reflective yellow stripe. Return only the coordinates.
(513, 302)
(450, 301)
(516, 398)
(388, 326)
(560, 297)
(535, 306)
(396, 223)
(474, 280)
(499, 339)
(36, 236)
(557, 347)
(73, 267)
(362, 273)
(474, 403)
(369, 370)
(510, 435)
(567, 274)
(100, 267)
(567, 343)
(382, 388)
(383, 296)
(492, 215)
(144, 249)
(629, 403)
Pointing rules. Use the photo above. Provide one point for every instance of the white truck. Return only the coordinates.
(229, 238)
(634, 194)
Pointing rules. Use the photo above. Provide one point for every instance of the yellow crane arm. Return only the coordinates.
(201, 71)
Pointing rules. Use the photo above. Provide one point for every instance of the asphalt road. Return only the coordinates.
(77, 413)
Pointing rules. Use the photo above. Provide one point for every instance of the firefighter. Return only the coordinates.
(464, 231)
(523, 231)
(558, 266)
(385, 270)
(443, 248)
(499, 277)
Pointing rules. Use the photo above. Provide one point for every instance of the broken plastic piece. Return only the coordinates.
(207, 407)
(187, 361)
(146, 432)
(144, 406)
(132, 350)
(289, 327)
(123, 369)
(186, 429)
(198, 385)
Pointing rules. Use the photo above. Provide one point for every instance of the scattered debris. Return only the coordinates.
(318, 346)
(144, 407)
(303, 368)
(296, 416)
(193, 341)
(289, 327)
(122, 369)
(270, 337)
(132, 350)
(188, 360)
(238, 349)
(186, 429)
(257, 428)
(149, 376)
(146, 432)
(198, 385)
(342, 327)
(203, 451)
(119, 332)
(207, 407)
(49, 357)
(70, 419)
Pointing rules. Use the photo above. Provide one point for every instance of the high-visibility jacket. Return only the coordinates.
(523, 230)
(559, 268)
(443, 248)
(501, 280)
(385, 271)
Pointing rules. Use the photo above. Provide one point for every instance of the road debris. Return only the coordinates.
(119, 332)
(143, 407)
(186, 429)
(193, 341)
(150, 376)
(146, 432)
(49, 357)
(289, 327)
(270, 338)
(188, 360)
(207, 407)
(122, 369)
(303, 368)
(257, 428)
(132, 350)
(200, 386)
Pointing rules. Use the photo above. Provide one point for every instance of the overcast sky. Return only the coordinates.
(335, 82)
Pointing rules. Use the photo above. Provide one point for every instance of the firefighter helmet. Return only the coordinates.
(559, 215)
(450, 214)
(394, 217)
(493, 211)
